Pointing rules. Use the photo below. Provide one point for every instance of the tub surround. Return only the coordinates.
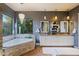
(21, 43)
(19, 49)
(8, 38)
(15, 42)
(12, 40)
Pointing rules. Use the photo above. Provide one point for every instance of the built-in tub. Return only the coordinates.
(19, 45)
(16, 41)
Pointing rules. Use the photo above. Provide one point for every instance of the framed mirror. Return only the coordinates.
(63, 26)
(44, 26)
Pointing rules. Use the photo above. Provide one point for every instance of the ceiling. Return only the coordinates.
(42, 6)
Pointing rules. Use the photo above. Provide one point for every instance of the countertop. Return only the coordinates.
(15, 42)
(55, 35)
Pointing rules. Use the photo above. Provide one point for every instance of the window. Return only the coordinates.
(26, 27)
(7, 25)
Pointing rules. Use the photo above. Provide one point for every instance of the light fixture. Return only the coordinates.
(45, 17)
(68, 17)
(56, 18)
(21, 17)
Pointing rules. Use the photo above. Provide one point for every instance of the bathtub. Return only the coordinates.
(19, 45)
(15, 42)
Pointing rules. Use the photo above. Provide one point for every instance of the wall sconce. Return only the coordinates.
(56, 18)
(45, 17)
(68, 17)
(21, 17)
(45, 14)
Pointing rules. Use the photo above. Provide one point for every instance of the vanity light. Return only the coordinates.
(45, 14)
(21, 17)
(45, 17)
(68, 17)
(56, 17)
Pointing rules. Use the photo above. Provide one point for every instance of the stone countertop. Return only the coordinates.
(55, 35)
(15, 42)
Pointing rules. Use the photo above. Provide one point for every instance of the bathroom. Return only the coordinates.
(38, 28)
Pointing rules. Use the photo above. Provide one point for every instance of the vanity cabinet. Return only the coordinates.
(53, 40)
(19, 49)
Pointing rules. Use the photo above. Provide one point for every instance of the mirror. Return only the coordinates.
(44, 26)
(63, 26)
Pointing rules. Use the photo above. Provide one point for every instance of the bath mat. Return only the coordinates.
(62, 51)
